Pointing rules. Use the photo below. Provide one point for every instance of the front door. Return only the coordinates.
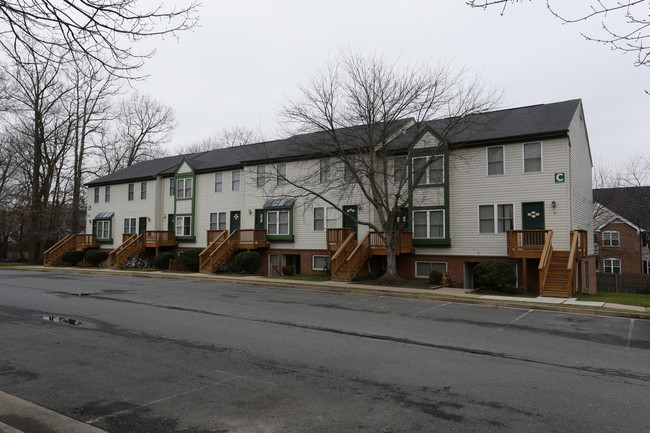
(401, 222)
(235, 220)
(142, 225)
(533, 216)
(171, 222)
(350, 218)
(259, 219)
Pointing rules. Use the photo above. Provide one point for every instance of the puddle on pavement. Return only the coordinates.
(64, 320)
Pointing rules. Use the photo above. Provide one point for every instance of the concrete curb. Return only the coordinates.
(32, 418)
(444, 294)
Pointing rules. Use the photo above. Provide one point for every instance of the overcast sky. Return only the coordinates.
(248, 57)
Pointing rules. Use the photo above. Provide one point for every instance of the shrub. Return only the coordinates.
(495, 275)
(161, 261)
(288, 271)
(248, 261)
(72, 257)
(189, 259)
(95, 257)
(435, 278)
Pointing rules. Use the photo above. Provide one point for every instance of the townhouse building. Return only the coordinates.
(514, 187)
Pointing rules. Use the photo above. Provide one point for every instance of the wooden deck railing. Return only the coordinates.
(70, 242)
(526, 243)
(127, 236)
(359, 255)
(336, 237)
(545, 259)
(160, 238)
(224, 245)
(216, 234)
(250, 239)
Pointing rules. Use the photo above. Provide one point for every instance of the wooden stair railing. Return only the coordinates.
(53, 254)
(220, 254)
(545, 259)
(359, 256)
(339, 259)
(217, 238)
(129, 249)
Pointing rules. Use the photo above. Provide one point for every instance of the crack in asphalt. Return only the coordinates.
(401, 340)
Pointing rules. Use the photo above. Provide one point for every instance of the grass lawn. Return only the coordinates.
(305, 277)
(618, 298)
(11, 264)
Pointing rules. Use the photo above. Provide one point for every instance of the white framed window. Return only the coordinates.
(495, 160)
(143, 190)
(184, 188)
(423, 269)
(488, 223)
(130, 193)
(96, 198)
(218, 182)
(431, 168)
(532, 157)
(183, 226)
(261, 176)
(645, 267)
(236, 178)
(429, 224)
(319, 262)
(281, 178)
(324, 170)
(103, 229)
(399, 168)
(612, 266)
(611, 238)
(277, 222)
(172, 187)
(107, 194)
(324, 217)
(218, 221)
(130, 225)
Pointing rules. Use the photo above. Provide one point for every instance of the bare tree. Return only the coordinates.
(140, 128)
(227, 137)
(98, 29)
(625, 23)
(359, 121)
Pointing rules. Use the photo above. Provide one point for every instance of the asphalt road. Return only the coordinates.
(155, 355)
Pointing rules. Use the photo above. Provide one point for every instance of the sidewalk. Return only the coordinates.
(444, 293)
(25, 417)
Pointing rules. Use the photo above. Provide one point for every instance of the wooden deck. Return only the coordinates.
(71, 242)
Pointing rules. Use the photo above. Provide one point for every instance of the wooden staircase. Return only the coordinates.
(557, 269)
(70, 242)
(223, 246)
(131, 247)
(350, 255)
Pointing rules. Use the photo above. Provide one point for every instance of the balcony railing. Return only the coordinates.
(336, 238)
(526, 243)
(160, 238)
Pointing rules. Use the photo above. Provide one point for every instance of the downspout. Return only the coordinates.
(570, 182)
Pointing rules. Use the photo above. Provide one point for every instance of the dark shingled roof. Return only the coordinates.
(535, 121)
(632, 203)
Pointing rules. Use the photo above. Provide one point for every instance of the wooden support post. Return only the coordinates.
(525, 274)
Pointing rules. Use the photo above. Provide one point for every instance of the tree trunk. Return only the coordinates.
(391, 259)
